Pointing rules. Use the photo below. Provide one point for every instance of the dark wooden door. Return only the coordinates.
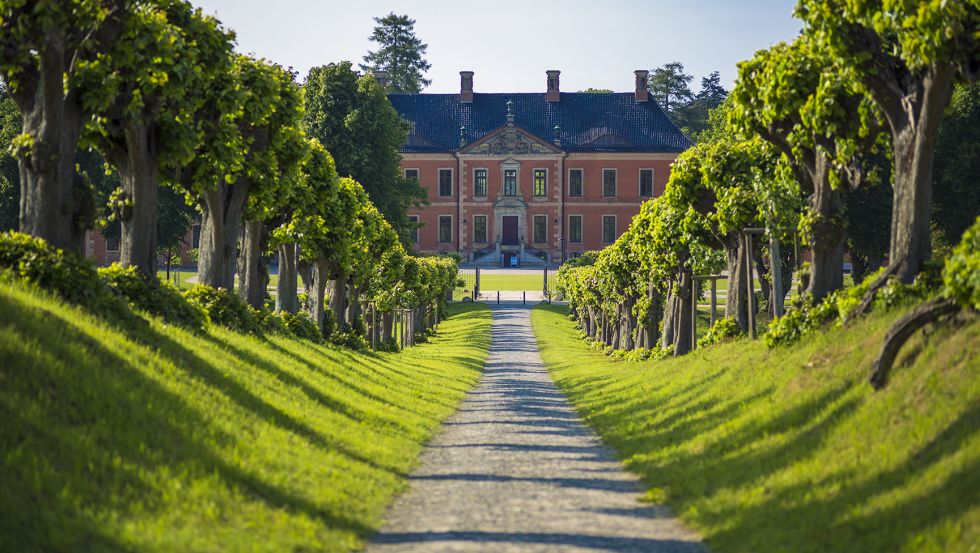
(509, 236)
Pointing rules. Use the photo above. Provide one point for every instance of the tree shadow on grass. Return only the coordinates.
(849, 522)
(91, 429)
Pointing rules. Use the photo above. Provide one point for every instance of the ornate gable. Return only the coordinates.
(510, 140)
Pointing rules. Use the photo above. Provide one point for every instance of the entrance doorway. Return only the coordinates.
(509, 234)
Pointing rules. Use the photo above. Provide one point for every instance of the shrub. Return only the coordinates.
(65, 274)
(224, 308)
(803, 317)
(163, 300)
(302, 326)
(961, 274)
(723, 330)
(350, 340)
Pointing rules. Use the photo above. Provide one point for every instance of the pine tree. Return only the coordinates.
(400, 54)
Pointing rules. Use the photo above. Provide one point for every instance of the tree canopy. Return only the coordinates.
(400, 54)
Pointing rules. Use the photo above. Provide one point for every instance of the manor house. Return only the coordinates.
(533, 178)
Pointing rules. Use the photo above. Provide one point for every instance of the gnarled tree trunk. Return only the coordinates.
(318, 291)
(221, 224)
(338, 295)
(736, 302)
(287, 299)
(827, 233)
(54, 203)
(138, 163)
(253, 277)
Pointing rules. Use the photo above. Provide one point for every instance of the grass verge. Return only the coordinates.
(157, 439)
(790, 449)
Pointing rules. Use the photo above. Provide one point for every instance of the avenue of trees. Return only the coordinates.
(153, 89)
(804, 148)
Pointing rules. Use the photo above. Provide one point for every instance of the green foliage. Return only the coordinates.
(789, 449)
(301, 326)
(162, 434)
(724, 329)
(400, 54)
(957, 164)
(160, 299)
(225, 308)
(802, 317)
(669, 86)
(352, 118)
(65, 274)
(961, 274)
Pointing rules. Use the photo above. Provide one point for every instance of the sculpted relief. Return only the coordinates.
(510, 142)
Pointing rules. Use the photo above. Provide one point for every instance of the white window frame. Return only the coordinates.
(581, 182)
(452, 186)
(534, 183)
(602, 231)
(418, 230)
(418, 173)
(439, 230)
(602, 182)
(486, 229)
(486, 182)
(639, 182)
(581, 229)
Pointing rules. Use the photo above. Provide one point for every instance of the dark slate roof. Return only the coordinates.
(589, 122)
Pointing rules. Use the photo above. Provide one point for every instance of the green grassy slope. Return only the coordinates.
(155, 439)
(791, 450)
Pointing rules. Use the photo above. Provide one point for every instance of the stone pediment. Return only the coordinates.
(510, 140)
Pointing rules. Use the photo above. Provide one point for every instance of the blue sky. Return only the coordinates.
(510, 43)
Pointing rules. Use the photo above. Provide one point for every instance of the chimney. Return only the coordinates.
(466, 86)
(381, 76)
(553, 93)
(641, 94)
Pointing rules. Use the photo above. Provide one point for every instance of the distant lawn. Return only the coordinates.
(503, 282)
(179, 275)
(791, 450)
(156, 439)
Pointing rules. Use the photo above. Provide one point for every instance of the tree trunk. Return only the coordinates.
(138, 169)
(55, 204)
(221, 224)
(387, 326)
(338, 293)
(286, 296)
(318, 289)
(901, 331)
(827, 233)
(736, 303)
(913, 140)
(683, 305)
(353, 303)
(252, 274)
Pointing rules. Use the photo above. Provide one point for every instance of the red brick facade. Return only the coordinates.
(537, 177)
(558, 205)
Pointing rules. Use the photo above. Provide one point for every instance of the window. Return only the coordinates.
(540, 228)
(445, 228)
(480, 182)
(480, 228)
(412, 174)
(608, 182)
(575, 182)
(540, 182)
(574, 255)
(112, 243)
(646, 183)
(510, 182)
(575, 229)
(608, 229)
(196, 235)
(445, 182)
(414, 232)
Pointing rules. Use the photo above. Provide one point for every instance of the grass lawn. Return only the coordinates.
(495, 281)
(156, 439)
(180, 275)
(790, 449)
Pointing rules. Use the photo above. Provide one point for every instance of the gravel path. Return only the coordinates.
(516, 470)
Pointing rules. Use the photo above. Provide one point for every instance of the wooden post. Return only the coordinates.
(714, 301)
(476, 284)
(374, 325)
(751, 285)
(545, 289)
(694, 312)
(777, 277)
